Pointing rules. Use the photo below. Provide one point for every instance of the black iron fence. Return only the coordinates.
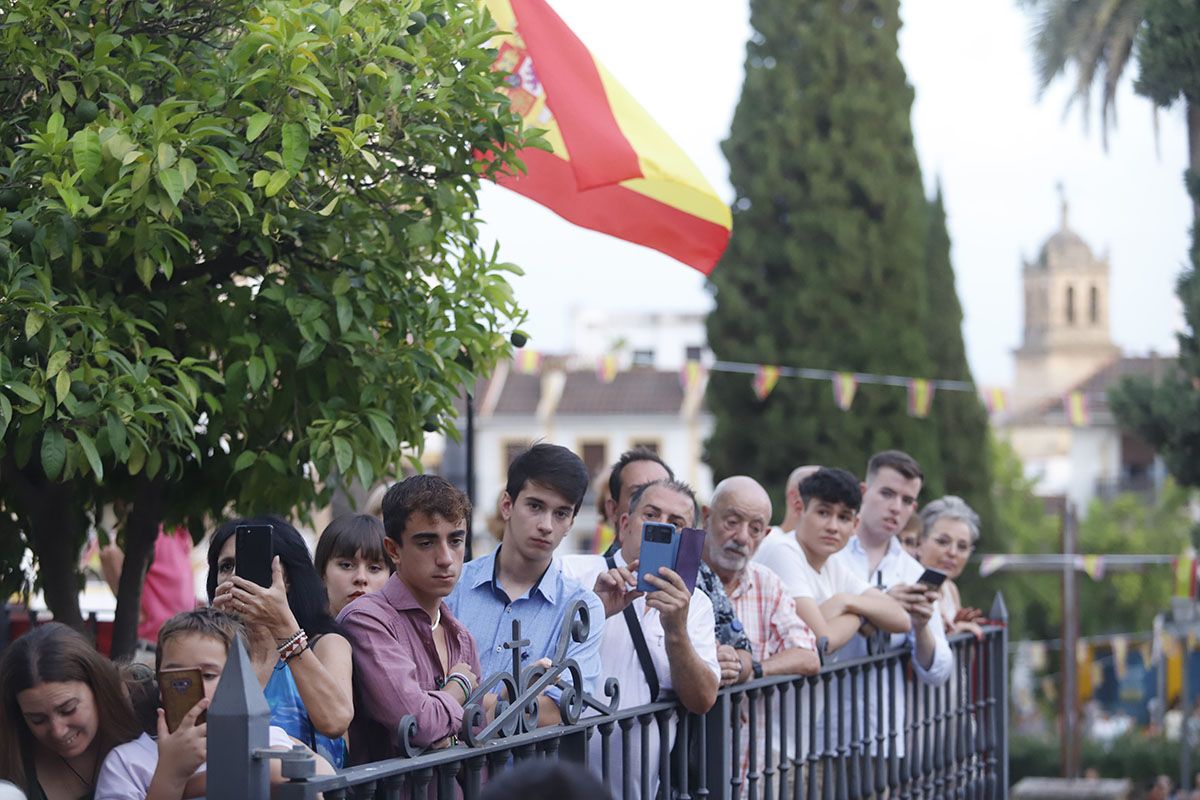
(857, 729)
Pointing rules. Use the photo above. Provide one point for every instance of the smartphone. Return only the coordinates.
(687, 560)
(253, 553)
(181, 690)
(932, 578)
(659, 546)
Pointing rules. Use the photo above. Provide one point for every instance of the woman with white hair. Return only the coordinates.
(951, 532)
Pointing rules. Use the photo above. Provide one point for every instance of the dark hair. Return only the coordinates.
(832, 485)
(674, 486)
(432, 495)
(627, 458)
(898, 460)
(306, 592)
(54, 653)
(208, 621)
(141, 685)
(545, 780)
(346, 537)
(552, 466)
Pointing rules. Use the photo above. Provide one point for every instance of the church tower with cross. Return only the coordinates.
(1066, 334)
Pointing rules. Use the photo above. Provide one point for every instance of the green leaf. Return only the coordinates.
(137, 459)
(54, 453)
(383, 429)
(343, 453)
(341, 285)
(171, 182)
(141, 174)
(33, 323)
(256, 371)
(25, 393)
(309, 353)
(330, 206)
(57, 362)
(166, 156)
(256, 125)
(85, 149)
(67, 90)
(116, 436)
(244, 460)
(278, 180)
(91, 454)
(5, 414)
(345, 313)
(55, 123)
(295, 146)
(260, 178)
(62, 387)
(187, 169)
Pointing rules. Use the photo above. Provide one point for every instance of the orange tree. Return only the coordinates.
(238, 258)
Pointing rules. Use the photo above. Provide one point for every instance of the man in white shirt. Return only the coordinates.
(875, 555)
(678, 626)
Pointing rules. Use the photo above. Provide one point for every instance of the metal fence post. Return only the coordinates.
(718, 760)
(237, 726)
(999, 613)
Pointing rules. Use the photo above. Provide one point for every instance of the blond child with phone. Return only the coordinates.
(190, 656)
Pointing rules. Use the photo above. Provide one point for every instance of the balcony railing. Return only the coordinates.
(768, 739)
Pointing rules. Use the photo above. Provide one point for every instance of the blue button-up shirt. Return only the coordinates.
(487, 611)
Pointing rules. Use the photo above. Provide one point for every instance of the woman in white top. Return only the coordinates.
(951, 531)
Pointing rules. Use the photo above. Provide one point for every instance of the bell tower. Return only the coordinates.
(1066, 333)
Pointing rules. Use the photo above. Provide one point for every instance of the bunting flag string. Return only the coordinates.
(1077, 409)
(765, 380)
(606, 368)
(920, 397)
(845, 384)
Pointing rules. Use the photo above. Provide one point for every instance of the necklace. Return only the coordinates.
(74, 772)
(437, 620)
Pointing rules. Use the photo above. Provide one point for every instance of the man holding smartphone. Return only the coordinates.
(667, 639)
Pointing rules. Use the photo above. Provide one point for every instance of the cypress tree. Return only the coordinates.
(959, 417)
(826, 267)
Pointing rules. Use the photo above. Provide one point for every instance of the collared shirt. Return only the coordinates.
(730, 630)
(485, 607)
(896, 567)
(619, 659)
(397, 671)
(768, 613)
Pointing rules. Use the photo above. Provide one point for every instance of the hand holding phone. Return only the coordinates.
(659, 547)
(932, 578)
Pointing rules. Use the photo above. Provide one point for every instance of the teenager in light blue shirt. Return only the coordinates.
(522, 580)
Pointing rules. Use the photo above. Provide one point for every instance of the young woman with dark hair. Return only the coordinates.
(350, 559)
(62, 709)
(304, 662)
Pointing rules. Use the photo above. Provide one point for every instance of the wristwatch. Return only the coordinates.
(756, 668)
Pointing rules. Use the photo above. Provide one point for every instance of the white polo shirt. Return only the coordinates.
(783, 555)
(619, 660)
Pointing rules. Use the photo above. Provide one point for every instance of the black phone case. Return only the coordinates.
(253, 553)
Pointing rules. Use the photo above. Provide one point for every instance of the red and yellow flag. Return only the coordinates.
(920, 397)
(764, 380)
(606, 368)
(844, 387)
(612, 168)
(996, 401)
(1077, 409)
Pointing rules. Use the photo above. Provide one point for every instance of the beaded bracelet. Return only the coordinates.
(461, 680)
(294, 646)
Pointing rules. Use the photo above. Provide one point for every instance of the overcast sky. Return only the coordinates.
(979, 126)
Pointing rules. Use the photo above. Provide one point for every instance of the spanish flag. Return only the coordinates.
(612, 168)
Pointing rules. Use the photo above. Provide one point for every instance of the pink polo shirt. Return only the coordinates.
(169, 587)
(396, 671)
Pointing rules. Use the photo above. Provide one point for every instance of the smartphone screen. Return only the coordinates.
(659, 545)
(181, 689)
(253, 553)
(932, 578)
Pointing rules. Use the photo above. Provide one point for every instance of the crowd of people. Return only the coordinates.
(388, 621)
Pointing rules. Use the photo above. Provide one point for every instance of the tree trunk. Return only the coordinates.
(55, 533)
(141, 530)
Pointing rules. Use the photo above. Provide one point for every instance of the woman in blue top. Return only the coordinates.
(301, 657)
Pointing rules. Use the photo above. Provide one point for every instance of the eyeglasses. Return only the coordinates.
(961, 546)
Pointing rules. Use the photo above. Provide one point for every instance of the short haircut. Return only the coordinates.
(950, 507)
(898, 460)
(675, 486)
(431, 495)
(546, 780)
(831, 485)
(346, 537)
(208, 621)
(552, 466)
(627, 458)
